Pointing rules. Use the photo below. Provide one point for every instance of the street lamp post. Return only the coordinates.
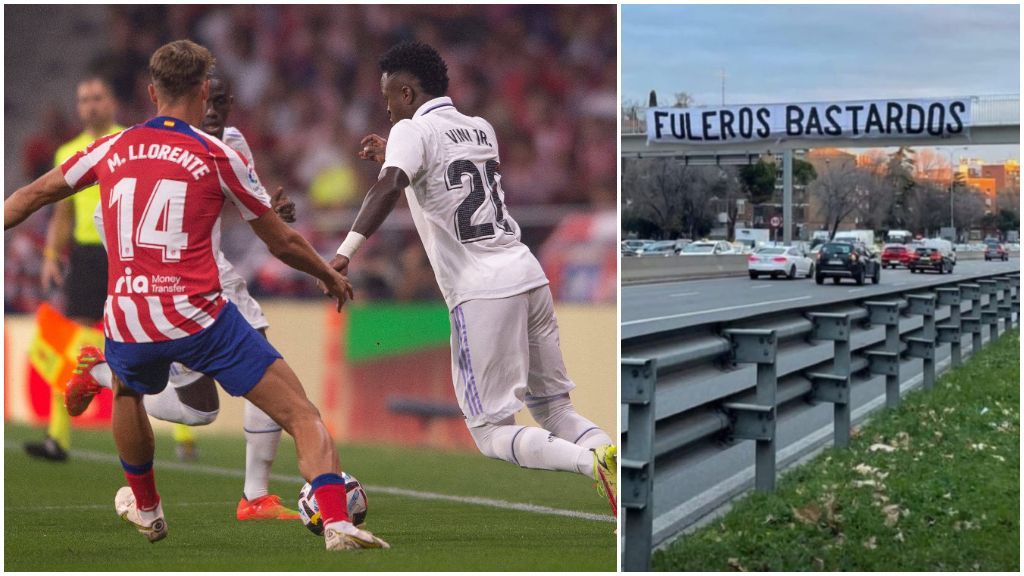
(952, 184)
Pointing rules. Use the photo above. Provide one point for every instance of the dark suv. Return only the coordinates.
(838, 260)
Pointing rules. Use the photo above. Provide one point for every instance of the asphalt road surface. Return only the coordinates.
(650, 308)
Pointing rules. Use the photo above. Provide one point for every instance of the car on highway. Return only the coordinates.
(996, 251)
(838, 260)
(894, 255)
(780, 261)
(630, 247)
(935, 254)
(707, 248)
(660, 248)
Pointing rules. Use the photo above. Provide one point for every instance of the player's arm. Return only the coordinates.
(290, 247)
(405, 151)
(378, 204)
(47, 189)
(58, 234)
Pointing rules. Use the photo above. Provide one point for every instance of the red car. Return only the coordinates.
(995, 251)
(894, 255)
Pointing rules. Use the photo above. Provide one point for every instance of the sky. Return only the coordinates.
(802, 53)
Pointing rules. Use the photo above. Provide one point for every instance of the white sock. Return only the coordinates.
(532, 447)
(262, 436)
(167, 406)
(101, 372)
(558, 415)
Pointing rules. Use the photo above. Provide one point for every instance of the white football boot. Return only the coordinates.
(344, 536)
(150, 523)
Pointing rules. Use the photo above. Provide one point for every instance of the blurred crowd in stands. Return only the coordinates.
(307, 89)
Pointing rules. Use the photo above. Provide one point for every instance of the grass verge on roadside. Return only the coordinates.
(933, 485)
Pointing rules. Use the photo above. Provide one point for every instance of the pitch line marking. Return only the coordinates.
(106, 458)
(713, 310)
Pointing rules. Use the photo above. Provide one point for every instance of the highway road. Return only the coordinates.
(650, 308)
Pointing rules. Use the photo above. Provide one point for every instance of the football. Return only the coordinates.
(356, 500)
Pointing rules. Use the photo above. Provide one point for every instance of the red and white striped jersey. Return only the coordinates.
(162, 187)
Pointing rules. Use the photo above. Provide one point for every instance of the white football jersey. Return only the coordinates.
(458, 205)
(228, 277)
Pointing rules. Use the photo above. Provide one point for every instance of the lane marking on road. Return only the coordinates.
(856, 289)
(760, 286)
(681, 294)
(107, 458)
(714, 310)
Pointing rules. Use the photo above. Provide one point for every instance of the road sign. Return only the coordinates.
(776, 221)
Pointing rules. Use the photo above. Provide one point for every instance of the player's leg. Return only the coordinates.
(245, 364)
(139, 502)
(490, 364)
(190, 397)
(548, 398)
(281, 396)
(262, 436)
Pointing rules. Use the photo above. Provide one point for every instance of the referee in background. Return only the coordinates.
(85, 286)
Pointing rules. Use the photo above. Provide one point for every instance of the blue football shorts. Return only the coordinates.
(230, 351)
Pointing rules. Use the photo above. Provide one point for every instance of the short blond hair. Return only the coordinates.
(178, 67)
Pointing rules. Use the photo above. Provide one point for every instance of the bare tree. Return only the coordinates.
(842, 189)
(667, 193)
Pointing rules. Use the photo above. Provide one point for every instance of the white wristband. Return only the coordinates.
(351, 244)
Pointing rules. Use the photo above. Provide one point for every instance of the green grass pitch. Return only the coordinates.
(461, 515)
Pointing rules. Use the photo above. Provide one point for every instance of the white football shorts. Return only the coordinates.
(503, 351)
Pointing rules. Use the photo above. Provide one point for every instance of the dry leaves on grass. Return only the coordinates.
(879, 447)
(809, 514)
(871, 543)
(892, 514)
(735, 566)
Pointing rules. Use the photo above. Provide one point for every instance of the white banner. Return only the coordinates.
(868, 119)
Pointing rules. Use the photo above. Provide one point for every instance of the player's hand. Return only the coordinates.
(283, 205)
(51, 275)
(373, 148)
(340, 264)
(339, 288)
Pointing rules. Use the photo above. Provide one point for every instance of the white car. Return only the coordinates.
(707, 248)
(787, 261)
(661, 248)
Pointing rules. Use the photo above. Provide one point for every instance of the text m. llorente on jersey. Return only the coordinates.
(189, 161)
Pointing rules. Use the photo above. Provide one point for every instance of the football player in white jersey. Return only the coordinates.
(191, 398)
(505, 349)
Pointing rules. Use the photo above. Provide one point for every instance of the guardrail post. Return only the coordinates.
(1015, 300)
(757, 421)
(834, 386)
(972, 324)
(887, 360)
(923, 347)
(1004, 307)
(638, 393)
(950, 332)
(989, 314)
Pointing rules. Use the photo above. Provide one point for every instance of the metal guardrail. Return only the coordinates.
(665, 431)
(988, 110)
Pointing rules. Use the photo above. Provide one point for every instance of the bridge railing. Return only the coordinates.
(988, 110)
(693, 393)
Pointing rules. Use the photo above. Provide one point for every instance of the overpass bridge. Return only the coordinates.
(993, 119)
